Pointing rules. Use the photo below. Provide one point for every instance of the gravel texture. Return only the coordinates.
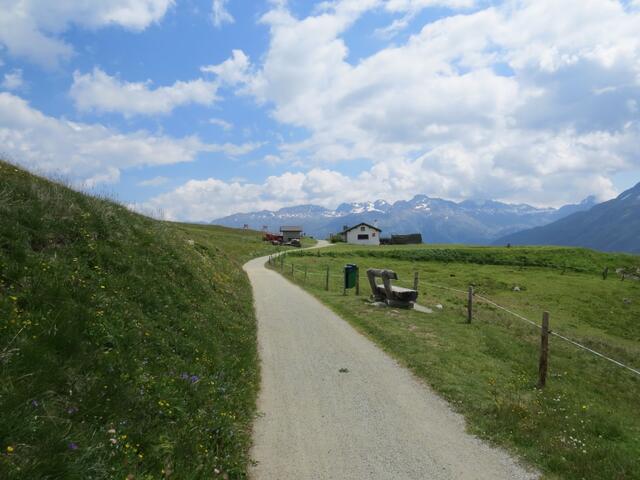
(334, 406)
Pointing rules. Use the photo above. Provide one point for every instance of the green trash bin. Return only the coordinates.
(350, 276)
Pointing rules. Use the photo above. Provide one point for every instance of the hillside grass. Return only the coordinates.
(127, 345)
(585, 424)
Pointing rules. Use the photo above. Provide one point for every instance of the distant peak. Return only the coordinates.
(632, 194)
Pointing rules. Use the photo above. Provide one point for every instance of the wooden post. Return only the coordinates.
(357, 280)
(544, 351)
(326, 283)
(415, 281)
(605, 273)
(470, 306)
(292, 271)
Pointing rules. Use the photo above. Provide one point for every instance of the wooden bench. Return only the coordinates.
(390, 294)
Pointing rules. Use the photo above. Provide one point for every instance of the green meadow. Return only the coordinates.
(585, 424)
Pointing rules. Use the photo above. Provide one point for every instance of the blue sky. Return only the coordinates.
(203, 108)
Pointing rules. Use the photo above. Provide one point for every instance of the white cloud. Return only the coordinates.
(219, 13)
(450, 171)
(33, 28)
(91, 153)
(497, 99)
(100, 92)
(233, 150)
(153, 182)
(416, 5)
(411, 8)
(226, 126)
(232, 71)
(273, 160)
(13, 80)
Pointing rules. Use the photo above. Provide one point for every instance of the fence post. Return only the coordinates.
(326, 283)
(470, 306)
(544, 351)
(415, 281)
(357, 280)
(292, 272)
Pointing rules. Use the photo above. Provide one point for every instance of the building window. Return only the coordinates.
(362, 229)
(363, 236)
(373, 234)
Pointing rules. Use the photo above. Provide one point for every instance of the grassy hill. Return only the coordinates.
(127, 345)
(559, 258)
(585, 424)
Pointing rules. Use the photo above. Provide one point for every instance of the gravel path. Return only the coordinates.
(374, 421)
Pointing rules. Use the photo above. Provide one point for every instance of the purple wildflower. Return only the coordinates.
(184, 375)
(72, 410)
(194, 378)
(34, 403)
(73, 446)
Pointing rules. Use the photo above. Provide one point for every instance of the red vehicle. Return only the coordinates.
(274, 238)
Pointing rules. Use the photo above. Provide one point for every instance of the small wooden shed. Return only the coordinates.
(290, 232)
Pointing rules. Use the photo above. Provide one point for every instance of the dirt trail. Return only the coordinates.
(374, 421)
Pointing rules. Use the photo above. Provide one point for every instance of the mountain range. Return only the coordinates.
(610, 226)
(438, 220)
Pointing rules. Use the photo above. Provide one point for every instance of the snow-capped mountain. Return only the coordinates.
(380, 206)
(438, 220)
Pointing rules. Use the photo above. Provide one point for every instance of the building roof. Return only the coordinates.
(290, 229)
(359, 225)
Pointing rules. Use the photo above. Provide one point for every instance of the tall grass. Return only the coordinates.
(127, 345)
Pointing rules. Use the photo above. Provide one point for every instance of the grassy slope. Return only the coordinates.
(585, 424)
(127, 345)
(563, 258)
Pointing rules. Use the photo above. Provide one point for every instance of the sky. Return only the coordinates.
(197, 109)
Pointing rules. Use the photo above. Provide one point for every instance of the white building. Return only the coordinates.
(362, 234)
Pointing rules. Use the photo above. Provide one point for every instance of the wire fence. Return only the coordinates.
(333, 281)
